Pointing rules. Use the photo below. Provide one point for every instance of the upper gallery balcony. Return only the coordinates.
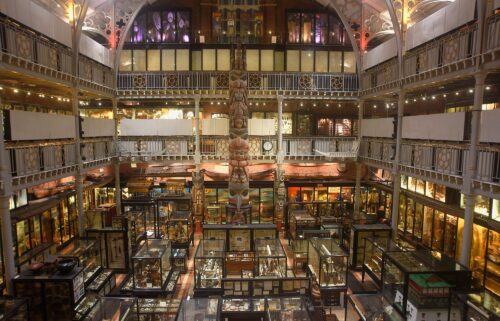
(142, 84)
(34, 55)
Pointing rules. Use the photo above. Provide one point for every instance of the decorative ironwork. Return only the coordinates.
(306, 82)
(337, 83)
(140, 81)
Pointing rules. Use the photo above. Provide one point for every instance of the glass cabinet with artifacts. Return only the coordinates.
(480, 305)
(209, 266)
(180, 229)
(159, 309)
(167, 206)
(136, 227)
(287, 309)
(113, 247)
(356, 242)
(270, 257)
(301, 220)
(151, 266)
(206, 309)
(370, 307)
(103, 283)
(147, 206)
(327, 262)
(374, 250)
(112, 308)
(87, 252)
(239, 264)
(243, 309)
(415, 279)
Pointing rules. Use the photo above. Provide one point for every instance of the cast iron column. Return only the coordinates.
(116, 163)
(357, 188)
(7, 243)
(471, 169)
(79, 163)
(395, 171)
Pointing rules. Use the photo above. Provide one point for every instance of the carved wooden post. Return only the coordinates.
(239, 209)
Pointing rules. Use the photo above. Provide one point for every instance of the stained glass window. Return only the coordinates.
(321, 28)
(138, 30)
(183, 23)
(154, 27)
(293, 28)
(169, 26)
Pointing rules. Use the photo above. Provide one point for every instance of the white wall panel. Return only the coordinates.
(27, 125)
(449, 126)
(489, 132)
(95, 51)
(452, 16)
(261, 127)
(377, 127)
(156, 127)
(381, 53)
(96, 127)
(215, 126)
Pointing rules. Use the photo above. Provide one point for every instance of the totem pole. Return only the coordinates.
(239, 208)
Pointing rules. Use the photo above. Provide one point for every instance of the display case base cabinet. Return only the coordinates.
(51, 298)
(332, 298)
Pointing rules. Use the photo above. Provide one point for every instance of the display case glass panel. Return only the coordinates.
(450, 235)
(438, 230)
(375, 247)
(427, 226)
(89, 257)
(180, 228)
(419, 217)
(287, 309)
(478, 253)
(115, 309)
(209, 264)
(238, 306)
(240, 240)
(113, 248)
(429, 189)
(402, 213)
(410, 215)
(370, 307)
(358, 233)
(271, 258)
(136, 227)
(301, 220)
(206, 309)
(151, 265)
(157, 309)
(409, 279)
(327, 262)
(478, 305)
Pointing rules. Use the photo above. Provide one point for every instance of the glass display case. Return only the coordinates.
(13, 310)
(135, 224)
(169, 204)
(327, 262)
(270, 257)
(103, 283)
(113, 247)
(287, 309)
(180, 229)
(301, 220)
(50, 295)
(477, 306)
(239, 238)
(209, 266)
(84, 307)
(158, 309)
(373, 256)
(89, 257)
(262, 200)
(356, 243)
(113, 308)
(179, 259)
(414, 280)
(151, 266)
(335, 230)
(233, 309)
(239, 263)
(203, 309)
(147, 206)
(370, 307)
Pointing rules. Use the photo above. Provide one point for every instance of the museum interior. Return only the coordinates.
(250, 160)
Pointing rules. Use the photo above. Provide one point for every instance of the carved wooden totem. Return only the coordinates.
(239, 199)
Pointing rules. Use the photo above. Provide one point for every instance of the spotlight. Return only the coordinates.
(16, 90)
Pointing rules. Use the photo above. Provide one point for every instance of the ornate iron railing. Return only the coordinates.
(206, 80)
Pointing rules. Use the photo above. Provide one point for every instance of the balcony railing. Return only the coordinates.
(30, 47)
(383, 75)
(453, 48)
(203, 80)
(217, 147)
(493, 32)
(35, 160)
(488, 165)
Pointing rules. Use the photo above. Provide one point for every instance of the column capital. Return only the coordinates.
(280, 98)
(480, 77)
(197, 99)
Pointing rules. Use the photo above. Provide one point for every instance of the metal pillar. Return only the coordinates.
(470, 174)
(7, 243)
(357, 188)
(116, 164)
(280, 129)
(79, 169)
(395, 172)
